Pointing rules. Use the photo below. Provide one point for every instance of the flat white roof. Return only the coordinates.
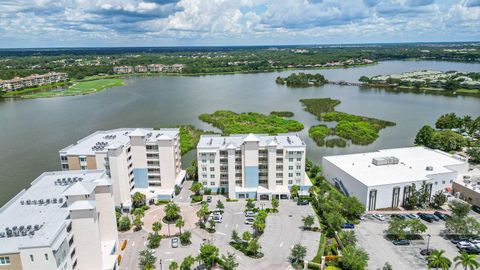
(101, 141)
(470, 180)
(411, 166)
(21, 211)
(236, 140)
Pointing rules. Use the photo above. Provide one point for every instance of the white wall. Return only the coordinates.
(166, 152)
(119, 174)
(87, 239)
(106, 213)
(39, 260)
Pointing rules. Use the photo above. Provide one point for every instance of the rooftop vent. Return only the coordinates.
(381, 161)
(289, 140)
(429, 168)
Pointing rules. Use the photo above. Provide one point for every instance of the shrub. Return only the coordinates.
(124, 224)
(197, 198)
(185, 238)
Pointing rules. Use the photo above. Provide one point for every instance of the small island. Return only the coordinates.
(302, 80)
(359, 130)
(450, 82)
(250, 122)
(282, 113)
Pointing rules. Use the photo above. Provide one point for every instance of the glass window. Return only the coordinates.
(212, 169)
(4, 260)
(31, 258)
(46, 257)
(290, 174)
(290, 182)
(290, 159)
(212, 175)
(212, 183)
(299, 159)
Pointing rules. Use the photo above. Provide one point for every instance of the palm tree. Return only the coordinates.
(196, 188)
(157, 226)
(173, 266)
(172, 211)
(146, 259)
(298, 254)
(138, 199)
(308, 221)
(294, 190)
(179, 224)
(468, 261)
(202, 213)
(437, 260)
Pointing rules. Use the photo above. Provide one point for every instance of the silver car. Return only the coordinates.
(174, 242)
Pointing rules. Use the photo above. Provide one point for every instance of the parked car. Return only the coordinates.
(440, 215)
(217, 218)
(434, 217)
(348, 226)
(401, 242)
(426, 252)
(174, 242)
(413, 216)
(458, 239)
(464, 244)
(427, 217)
(249, 220)
(397, 216)
(476, 208)
(250, 214)
(302, 202)
(471, 250)
(209, 199)
(379, 217)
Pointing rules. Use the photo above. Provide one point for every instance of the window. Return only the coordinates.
(443, 182)
(4, 260)
(64, 167)
(83, 168)
(223, 183)
(204, 183)
(279, 151)
(203, 154)
(297, 174)
(299, 167)
(152, 155)
(211, 154)
(152, 147)
(290, 159)
(290, 168)
(204, 176)
(212, 169)
(437, 182)
(299, 159)
(279, 182)
(212, 175)
(290, 174)
(204, 161)
(31, 258)
(212, 161)
(83, 159)
(204, 169)
(63, 158)
(46, 257)
(212, 183)
(290, 182)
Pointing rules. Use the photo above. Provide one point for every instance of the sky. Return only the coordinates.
(104, 23)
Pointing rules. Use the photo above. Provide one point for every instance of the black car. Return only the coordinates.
(434, 217)
(476, 208)
(426, 252)
(470, 250)
(457, 239)
(302, 202)
(397, 216)
(402, 242)
(426, 217)
(440, 215)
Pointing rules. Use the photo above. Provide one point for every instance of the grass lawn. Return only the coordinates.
(79, 88)
(241, 123)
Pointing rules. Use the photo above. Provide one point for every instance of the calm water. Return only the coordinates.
(32, 131)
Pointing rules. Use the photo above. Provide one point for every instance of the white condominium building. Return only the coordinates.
(64, 220)
(252, 166)
(144, 160)
(384, 178)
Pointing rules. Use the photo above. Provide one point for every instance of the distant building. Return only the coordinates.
(252, 166)
(383, 179)
(32, 80)
(467, 187)
(141, 159)
(64, 220)
(141, 69)
(156, 67)
(123, 70)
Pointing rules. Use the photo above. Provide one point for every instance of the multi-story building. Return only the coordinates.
(467, 187)
(384, 178)
(156, 67)
(141, 69)
(144, 160)
(33, 80)
(64, 220)
(123, 69)
(252, 166)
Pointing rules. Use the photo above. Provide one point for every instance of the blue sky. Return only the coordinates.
(58, 23)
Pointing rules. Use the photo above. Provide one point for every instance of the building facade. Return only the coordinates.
(64, 220)
(384, 179)
(143, 160)
(252, 166)
(33, 80)
(467, 187)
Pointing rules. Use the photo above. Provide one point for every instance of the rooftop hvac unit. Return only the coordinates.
(2, 235)
(385, 161)
(429, 168)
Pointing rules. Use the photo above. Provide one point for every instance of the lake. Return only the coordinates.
(33, 131)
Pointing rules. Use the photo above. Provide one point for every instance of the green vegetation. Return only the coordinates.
(233, 123)
(335, 142)
(189, 137)
(77, 88)
(302, 80)
(359, 130)
(282, 113)
(318, 133)
(460, 223)
(405, 228)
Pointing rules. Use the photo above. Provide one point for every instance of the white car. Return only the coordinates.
(249, 220)
(464, 244)
(250, 214)
(217, 218)
(379, 217)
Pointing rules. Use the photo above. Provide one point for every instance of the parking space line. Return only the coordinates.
(281, 244)
(220, 233)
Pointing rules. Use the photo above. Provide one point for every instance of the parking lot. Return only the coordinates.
(371, 236)
(283, 230)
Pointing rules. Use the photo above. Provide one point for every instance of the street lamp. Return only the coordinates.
(428, 241)
(160, 264)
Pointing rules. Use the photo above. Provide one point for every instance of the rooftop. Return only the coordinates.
(101, 141)
(399, 165)
(37, 215)
(234, 141)
(470, 180)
